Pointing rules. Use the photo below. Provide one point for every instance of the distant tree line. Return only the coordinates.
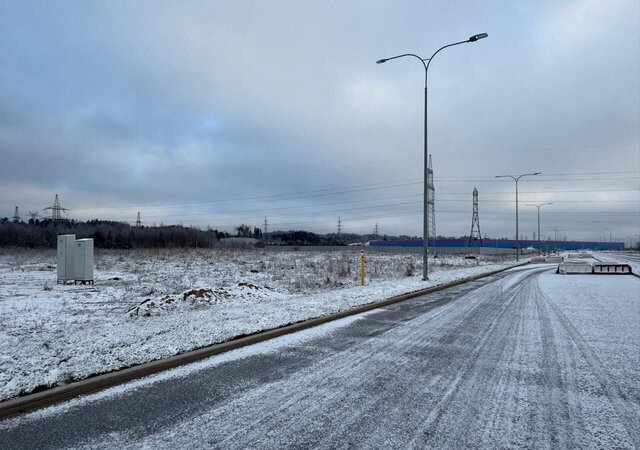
(301, 238)
(106, 234)
(245, 231)
(120, 235)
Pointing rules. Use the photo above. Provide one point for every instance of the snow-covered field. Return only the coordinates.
(530, 359)
(151, 304)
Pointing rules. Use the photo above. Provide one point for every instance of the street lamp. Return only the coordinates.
(425, 227)
(516, 179)
(555, 242)
(538, 206)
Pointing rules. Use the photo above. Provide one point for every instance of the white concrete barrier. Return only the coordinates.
(575, 268)
(553, 259)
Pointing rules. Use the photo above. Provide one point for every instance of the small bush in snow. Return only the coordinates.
(410, 270)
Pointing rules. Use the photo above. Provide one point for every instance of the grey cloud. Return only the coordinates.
(151, 102)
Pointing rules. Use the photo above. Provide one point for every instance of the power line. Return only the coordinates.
(362, 188)
(535, 180)
(413, 213)
(626, 172)
(280, 208)
(378, 205)
(401, 209)
(544, 149)
(287, 196)
(270, 209)
(552, 191)
(474, 152)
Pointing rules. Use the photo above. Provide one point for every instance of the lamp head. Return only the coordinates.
(475, 37)
(380, 61)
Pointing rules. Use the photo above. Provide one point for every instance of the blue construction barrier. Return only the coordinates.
(505, 244)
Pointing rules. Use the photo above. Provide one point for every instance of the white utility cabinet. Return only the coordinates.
(66, 257)
(84, 261)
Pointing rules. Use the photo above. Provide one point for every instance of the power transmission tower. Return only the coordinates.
(475, 236)
(16, 216)
(339, 227)
(264, 230)
(375, 230)
(431, 201)
(56, 210)
(138, 221)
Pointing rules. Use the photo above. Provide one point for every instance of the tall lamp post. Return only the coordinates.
(516, 179)
(538, 206)
(555, 231)
(425, 226)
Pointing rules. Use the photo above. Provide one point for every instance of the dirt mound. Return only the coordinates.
(196, 295)
(194, 298)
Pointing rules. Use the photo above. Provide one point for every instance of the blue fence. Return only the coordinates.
(505, 243)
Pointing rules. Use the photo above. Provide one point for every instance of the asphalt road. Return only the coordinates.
(495, 363)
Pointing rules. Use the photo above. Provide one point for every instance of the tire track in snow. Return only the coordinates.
(493, 366)
(443, 371)
(603, 381)
(413, 407)
(326, 374)
(426, 403)
(476, 404)
(502, 387)
(347, 371)
(560, 411)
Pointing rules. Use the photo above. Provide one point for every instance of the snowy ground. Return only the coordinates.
(147, 305)
(525, 359)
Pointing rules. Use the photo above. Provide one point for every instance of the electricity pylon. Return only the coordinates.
(475, 238)
(431, 202)
(56, 210)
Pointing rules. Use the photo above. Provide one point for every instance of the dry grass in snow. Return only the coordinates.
(150, 304)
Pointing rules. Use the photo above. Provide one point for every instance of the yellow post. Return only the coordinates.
(362, 261)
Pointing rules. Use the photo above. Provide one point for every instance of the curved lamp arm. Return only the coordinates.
(473, 38)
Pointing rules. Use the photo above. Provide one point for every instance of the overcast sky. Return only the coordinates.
(218, 113)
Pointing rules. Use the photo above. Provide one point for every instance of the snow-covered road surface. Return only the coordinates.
(527, 358)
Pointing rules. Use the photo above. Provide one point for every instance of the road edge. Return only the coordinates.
(31, 402)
